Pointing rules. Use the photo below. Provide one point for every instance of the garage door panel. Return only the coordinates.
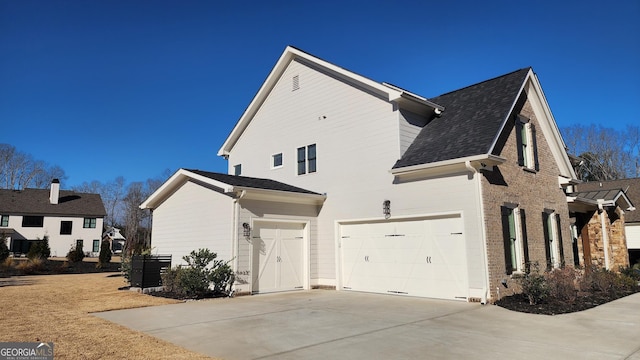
(420, 258)
(279, 248)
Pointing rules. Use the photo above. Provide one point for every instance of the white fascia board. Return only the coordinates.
(506, 119)
(413, 97)
(558, 146)
(280, 196)
(287, 56)
(476, 160)
(177, 179)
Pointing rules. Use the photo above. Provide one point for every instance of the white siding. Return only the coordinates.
(633, 236)
(193, 217)
(59, 244)
(359, 138)
(410, 126)
(252, 210)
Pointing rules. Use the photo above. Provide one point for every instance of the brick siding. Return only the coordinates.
(533, 191)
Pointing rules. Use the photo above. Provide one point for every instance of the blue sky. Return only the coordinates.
(132, 88)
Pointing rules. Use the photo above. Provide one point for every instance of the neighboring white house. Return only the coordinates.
(342, 182)
(67, 218)
(115, 239)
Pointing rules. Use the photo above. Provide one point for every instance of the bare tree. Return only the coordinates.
(607, 154)
(19, 170)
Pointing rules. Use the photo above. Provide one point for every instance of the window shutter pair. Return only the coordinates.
(520, 138)
(506, 233)
(547, 239)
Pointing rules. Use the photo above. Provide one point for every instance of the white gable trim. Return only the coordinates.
(176, 180)
(182, 176)
(392, 93)
(485, 161)
(531, 86)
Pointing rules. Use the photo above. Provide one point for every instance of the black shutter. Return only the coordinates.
(519, 126)
(560, 247)
(507, 239)
(525, 243)
(547, 245)
(535, 147)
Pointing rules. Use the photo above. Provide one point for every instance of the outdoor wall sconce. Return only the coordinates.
(246, 231)
(386, 208)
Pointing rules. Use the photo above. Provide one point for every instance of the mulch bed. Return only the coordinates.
(177, 296)
(520, 303)
(52, 267)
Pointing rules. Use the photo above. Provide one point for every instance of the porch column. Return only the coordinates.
(605, 235)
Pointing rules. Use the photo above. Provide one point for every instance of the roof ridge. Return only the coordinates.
(482, 82)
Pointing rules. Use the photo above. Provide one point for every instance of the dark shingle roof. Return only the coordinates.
(36, 201)
(249, 182)
(630, 186)
(472, 119)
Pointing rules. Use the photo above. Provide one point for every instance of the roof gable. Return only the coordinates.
(631, 188)
(391, 93)
(233, 185)
(36, 201)
(472, 118)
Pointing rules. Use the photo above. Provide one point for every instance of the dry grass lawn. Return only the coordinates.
(58, 308)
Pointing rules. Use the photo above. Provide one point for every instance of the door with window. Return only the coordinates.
(278, 256)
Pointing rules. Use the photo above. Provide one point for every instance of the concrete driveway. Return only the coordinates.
(323, 324)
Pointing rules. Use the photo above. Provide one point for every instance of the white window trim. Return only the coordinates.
(528, 153)
(555, 249)
(273, 167)
(306, 160)
(520, 266)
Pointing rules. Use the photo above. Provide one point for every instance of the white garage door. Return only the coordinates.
(418, 258)
(278, 261)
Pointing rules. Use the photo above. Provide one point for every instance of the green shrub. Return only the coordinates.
(222, 277)
(75, 254)
(632, 272)
(534, 286)
(203, 275)
(40, 249)
(4, 250)
(105, 253)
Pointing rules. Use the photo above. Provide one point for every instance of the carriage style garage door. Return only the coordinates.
(278, 256)
(424, 257)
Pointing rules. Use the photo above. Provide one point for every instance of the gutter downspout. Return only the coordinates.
(474, 172)
(234, 246)
(605, 236)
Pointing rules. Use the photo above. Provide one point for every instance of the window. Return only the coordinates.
(79, 243)
(4, 220)
(96, 245)
(32, 221)
(276, 160)
(65, 227)
(514, 230)
(307, 159)
(527, 147)
(89, 223)
(553, 239)
(237, 169)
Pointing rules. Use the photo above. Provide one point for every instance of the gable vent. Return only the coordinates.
(296, 83)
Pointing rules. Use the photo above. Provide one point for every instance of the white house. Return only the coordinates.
(339, 181)
(67, 218)
(115, 239)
